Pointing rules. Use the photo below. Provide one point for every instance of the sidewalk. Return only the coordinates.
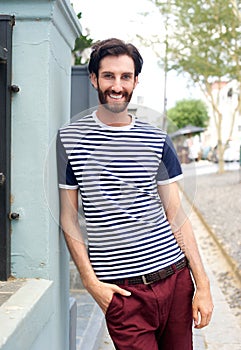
(90, 321)
(223, 333)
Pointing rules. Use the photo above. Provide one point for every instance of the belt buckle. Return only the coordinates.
(143, 277)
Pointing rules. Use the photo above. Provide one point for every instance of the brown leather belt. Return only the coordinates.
(152, 277)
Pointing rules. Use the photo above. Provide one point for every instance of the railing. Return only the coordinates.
(6, 25)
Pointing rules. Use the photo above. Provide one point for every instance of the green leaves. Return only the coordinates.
(204, 38)
(204, 42)
(81, 44)
(188, 112)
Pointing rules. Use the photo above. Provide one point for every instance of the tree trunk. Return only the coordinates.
(220, 150)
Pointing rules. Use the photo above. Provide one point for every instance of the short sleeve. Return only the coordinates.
(170, 168)
(66, 177)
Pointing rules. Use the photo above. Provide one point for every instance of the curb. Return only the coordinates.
(229, 259)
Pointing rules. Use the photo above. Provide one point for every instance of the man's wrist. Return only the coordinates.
(203, 283)
(90, 283)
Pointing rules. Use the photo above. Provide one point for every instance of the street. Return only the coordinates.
(203, 167)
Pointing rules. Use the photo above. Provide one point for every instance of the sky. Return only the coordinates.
(123, 19)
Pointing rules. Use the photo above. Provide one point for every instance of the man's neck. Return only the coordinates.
(113, 119)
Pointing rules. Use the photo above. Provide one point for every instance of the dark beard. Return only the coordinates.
(115, 107)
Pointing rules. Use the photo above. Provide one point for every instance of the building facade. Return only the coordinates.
(36, 316)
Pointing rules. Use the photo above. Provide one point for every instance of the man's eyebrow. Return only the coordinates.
(130, 73)
(109, 72)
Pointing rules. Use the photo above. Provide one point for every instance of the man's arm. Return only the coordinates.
(182, 229)
(101, 292)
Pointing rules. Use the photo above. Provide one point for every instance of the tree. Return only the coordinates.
(204, 41)
(81, 44)
(188, 112)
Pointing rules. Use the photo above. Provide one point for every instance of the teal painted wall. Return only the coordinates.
(43, 37)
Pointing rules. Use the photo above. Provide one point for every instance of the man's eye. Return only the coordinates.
(126, 77)
(108, 76)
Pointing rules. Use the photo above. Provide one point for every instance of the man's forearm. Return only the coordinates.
(202, 301)
(187, 242)
(78, 251)
(100, 291)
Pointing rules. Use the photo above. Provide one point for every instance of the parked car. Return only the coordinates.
(232, 152)
(212, 154)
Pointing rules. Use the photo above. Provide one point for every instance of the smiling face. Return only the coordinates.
(115, 82)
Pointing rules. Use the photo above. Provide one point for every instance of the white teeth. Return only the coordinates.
(116, 97)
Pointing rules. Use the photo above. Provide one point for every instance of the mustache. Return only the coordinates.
(111, 91)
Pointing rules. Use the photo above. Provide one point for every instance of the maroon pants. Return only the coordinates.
(155, 316)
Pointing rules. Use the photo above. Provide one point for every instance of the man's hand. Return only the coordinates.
(103, 293)
(202, 307)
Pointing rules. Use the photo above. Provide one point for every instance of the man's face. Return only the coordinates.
(116, 82)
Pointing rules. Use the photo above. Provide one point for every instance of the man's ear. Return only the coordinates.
(93, 80)
(136, 82)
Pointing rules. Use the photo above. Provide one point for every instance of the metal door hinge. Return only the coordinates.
(13, 216)
(2, 179)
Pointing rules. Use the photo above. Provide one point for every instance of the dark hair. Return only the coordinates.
(113, 47)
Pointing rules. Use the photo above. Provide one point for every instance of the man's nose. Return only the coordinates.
(117, 86)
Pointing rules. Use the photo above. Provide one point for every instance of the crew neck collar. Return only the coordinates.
(110, 127)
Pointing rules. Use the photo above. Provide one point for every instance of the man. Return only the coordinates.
(139, 239)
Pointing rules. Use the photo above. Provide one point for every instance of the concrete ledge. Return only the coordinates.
(9, 287)
(25, 313)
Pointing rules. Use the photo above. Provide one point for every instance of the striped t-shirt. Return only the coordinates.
(117, 170)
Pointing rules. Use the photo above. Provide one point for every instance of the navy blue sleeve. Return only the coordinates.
(66, 177)
(170, 168)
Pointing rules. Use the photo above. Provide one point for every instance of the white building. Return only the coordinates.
(226, 97)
